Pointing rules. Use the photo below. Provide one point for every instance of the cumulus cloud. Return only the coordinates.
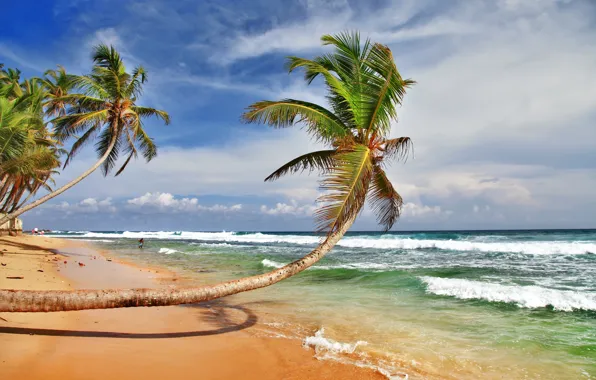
(415, 210)
(85, 206)
(166, 202)
(291, 208)
(502, 115)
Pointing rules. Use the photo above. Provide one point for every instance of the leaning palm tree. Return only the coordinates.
(28, 154)
(364, 90)
(106, 108)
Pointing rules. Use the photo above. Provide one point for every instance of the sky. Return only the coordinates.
(502, 116)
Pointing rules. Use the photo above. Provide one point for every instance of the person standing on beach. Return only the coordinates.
(141, 242)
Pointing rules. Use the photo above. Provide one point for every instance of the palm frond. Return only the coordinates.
(146, 144)
(151, 112)
(102, 146)
(90, 85)
(385, 89)
(69, 125)
(320, 123)
(347, 185)
(80, 143)
(321, 160)
(131, 155)
(398, 148)
(135, 86)
(385, 201)
(107, 57)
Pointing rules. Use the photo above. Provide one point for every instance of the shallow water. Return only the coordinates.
(460, 305)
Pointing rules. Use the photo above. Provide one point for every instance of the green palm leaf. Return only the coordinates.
(385, 201)
(364, 90)
(322, 160)
(347, 186)
(320, 123)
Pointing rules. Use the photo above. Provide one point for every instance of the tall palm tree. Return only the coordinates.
(364, 90)
(106, 108)
(28, 154)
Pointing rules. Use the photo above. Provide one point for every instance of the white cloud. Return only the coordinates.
(415, 210)
(86, 206)
(293, 208)
(166, 202)
(305, 35)
(505, 96)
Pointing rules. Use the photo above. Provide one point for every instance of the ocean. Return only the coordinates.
(421, 305)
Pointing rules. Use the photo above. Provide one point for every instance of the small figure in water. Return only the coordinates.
(141, 241)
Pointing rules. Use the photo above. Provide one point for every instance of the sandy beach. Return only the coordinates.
(207, 341)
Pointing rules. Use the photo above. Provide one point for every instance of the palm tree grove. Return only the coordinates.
(364, 90)
(228, 190)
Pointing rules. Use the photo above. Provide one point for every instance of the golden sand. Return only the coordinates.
(206, 341)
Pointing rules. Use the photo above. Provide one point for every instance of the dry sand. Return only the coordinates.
(206, 341)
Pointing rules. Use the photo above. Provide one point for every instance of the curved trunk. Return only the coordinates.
(59, 191)
(58, 300)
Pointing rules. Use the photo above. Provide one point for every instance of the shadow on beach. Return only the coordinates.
(214, 312)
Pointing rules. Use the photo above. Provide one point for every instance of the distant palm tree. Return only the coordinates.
(58, 85)
(107, 107)
(364, 90)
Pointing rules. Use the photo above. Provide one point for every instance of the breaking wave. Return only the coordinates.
(372, 242)
(319, 342)
(524, 296)
(167, 251)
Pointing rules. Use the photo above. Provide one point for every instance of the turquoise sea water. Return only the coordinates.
(429, 305)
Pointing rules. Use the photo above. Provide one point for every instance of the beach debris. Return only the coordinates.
(109, 259)
(4, 321)
(40, 270)
(81, 264)
(3, 264)
(65, 262)
(14, 277)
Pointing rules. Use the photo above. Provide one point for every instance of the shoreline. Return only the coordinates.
(211, 340)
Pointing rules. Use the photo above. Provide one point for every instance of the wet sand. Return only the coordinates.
(207, 341)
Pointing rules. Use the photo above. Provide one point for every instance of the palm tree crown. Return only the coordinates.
(29, 156)
(107, 107)
(102, 103)
(364, 90)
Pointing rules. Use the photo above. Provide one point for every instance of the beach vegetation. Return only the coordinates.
(364, 92)
(100, 107)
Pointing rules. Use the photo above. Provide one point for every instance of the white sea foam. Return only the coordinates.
(167, 251)
(319, 342)
(93, 240)
(524, 296)
(383, 242)
(533, 248)
(271, 264)
(366, 266)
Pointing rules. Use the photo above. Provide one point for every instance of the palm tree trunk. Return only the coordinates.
(59, 191)
(59, 300)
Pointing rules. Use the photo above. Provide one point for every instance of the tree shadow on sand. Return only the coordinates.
(219, 316)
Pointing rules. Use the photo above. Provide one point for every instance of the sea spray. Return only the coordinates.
(319, 342)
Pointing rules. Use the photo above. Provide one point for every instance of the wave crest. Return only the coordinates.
(167, 251)
(524, 296)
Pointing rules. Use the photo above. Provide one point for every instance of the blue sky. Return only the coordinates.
(502, 118)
